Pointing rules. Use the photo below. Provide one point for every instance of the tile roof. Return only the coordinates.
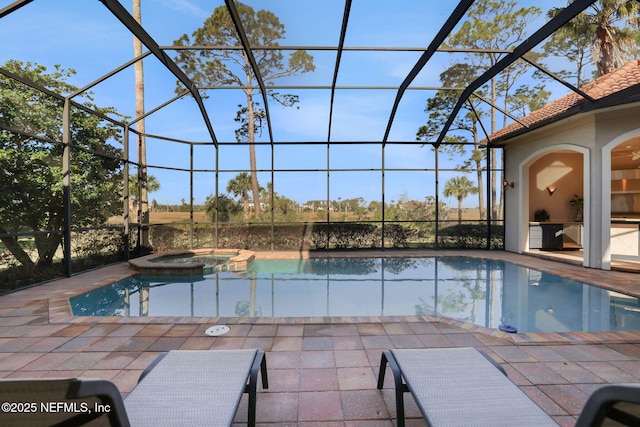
(624, 77)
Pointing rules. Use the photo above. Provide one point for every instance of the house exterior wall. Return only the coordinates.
(614, 127)
(530, 164)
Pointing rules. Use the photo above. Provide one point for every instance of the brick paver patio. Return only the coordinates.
(322, 371)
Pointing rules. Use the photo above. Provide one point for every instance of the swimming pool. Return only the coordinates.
(485, 292)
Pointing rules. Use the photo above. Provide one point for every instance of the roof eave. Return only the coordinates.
(502, 140)
(613, 100)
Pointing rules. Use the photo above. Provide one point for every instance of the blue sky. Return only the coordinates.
(84, 36)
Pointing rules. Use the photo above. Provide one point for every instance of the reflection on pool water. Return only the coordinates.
(485, 292)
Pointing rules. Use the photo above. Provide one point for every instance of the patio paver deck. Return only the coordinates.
(322, 371)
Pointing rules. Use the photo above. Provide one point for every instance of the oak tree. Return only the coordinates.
(31, 173)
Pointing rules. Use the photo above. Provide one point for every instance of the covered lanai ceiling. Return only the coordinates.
(376, 64)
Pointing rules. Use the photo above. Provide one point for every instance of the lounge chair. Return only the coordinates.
(465, 387)
(616, 402)
(189, 388)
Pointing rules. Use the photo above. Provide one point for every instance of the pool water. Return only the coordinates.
(485, 292)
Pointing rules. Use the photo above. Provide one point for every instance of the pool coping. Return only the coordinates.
(60, 307)
(150, 264)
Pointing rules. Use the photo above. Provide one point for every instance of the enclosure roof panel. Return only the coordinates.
(377, 65)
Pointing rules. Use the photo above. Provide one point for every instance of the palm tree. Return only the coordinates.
(265, 194)
(149, 186)
(611, 44)
(240, 186)
(459, 187)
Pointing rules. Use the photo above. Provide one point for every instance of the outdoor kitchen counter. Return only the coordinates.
(625, 238)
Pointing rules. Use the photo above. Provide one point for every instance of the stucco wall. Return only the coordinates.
(530, 165)
(611, 124)
(562, 170)
(571, 140)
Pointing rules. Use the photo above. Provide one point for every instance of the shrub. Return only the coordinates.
(471, 236)
(166, 238)
(345, 236)
(311, 236)
(398, 235)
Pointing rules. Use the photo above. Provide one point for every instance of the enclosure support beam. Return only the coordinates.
(343, 33)
(536, 38)
(444, 32)
(327, 217)
(139, 32)
(272, 197)
(217, 200)
(242, 34)
(382, 172)
(66, 186)
(13, 7)
(559, 79)
(125, 194)
(488, 184)
(436, 150)
(108, 75)
(489, 187)
(191, 225)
